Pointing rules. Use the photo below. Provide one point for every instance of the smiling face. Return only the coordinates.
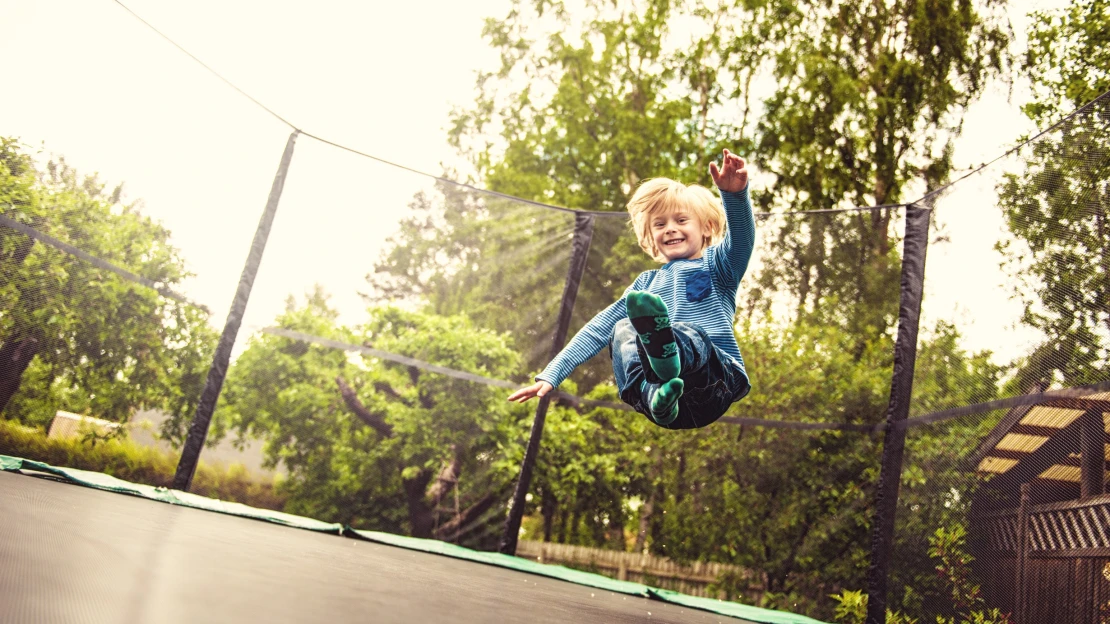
(674, 221)
(679, 235)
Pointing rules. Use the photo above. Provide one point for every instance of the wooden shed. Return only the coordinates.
(1040, 525)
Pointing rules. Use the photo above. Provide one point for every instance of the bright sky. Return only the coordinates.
(88, 81)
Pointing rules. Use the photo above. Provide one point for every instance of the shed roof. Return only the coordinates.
(1022, 435)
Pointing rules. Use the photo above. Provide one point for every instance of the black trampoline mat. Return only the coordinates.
(75, 554)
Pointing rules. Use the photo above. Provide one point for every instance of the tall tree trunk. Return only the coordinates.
(547, 510)
(447, 479)
(646, 513)
(616, 524)
(575, 524)
(680, 479)
(15, 357)
(421, 514)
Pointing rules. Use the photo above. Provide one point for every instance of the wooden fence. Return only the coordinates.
(710, 580)
(1047, 563)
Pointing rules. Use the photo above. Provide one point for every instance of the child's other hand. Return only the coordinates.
(732, 176)
(537, 389)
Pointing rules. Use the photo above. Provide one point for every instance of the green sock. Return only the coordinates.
(649, 316)
(664, 403)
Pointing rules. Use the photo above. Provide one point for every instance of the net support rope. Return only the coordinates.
(1056, 397)
(573, 400)
(46, 239)
(531, 202)
(602, 213)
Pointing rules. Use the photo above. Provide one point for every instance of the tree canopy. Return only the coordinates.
(374, 444)
(1058, 205)
(77, 337)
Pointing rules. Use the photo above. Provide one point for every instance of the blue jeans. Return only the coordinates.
(712, 380)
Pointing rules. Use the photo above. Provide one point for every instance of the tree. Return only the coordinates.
(1058, 206)
(374, 444)
(869, 97)
(77, 337)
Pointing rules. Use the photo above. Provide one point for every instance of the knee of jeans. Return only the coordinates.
(621, 330)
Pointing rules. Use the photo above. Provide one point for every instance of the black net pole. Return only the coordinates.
(583, 234)
(198, 430)
(898, 409)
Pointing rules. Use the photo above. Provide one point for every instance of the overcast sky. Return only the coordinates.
(86, 80)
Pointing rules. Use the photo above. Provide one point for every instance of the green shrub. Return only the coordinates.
(126, 460)
(954, 567)
(851, 608)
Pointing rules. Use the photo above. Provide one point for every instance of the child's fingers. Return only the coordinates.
(714, 171)
(539, 389)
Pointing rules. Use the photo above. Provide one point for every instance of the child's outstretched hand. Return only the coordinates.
(732, 176)
(537, 389)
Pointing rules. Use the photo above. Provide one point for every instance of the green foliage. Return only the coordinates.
(598, 112)
(1068, 59)
(851, 608)
(80, 338)
(867, 101)
(499, 262)
(954, 567)
(793, 505)
(591, 466)
(1059, 203)
(365, 459)
(129, 461)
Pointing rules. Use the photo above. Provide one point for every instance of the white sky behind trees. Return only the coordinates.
(87, 81)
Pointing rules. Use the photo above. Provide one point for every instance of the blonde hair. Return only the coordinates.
(661, 196)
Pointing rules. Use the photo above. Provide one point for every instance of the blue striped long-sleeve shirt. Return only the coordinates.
(701, 292)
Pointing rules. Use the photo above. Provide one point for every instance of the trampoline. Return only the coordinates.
(79, 554)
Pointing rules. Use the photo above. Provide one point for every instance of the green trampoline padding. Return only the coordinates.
(102, 481)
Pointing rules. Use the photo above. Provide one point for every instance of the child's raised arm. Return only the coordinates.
(732, 179)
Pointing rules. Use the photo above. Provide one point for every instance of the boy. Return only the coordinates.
(683, 374)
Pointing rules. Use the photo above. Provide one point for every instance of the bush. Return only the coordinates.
(954, 568)
(126, 460)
